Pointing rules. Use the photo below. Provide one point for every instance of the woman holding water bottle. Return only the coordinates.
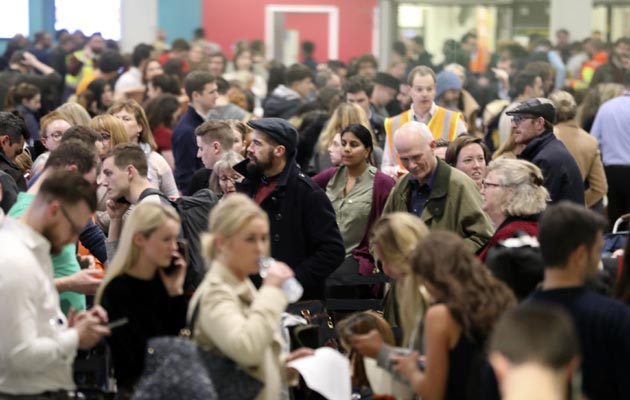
(234, 319)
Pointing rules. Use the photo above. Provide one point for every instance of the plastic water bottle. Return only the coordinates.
(291, 287)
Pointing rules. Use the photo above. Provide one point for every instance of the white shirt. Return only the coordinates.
(37, 348)
(130, 80)
(425, 119)
(159, 173)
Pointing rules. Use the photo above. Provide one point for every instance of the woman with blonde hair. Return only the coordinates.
(144, 286)
(513, 197)
(344, 115)
(112, 132)
(52, 127)
(394, 237)
(75, 113)
(111, 129)
(509, 149)
(136, 124)
(242, 136)
(234, 318)
(583, 147)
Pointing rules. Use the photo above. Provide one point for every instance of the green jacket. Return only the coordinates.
(454, 204)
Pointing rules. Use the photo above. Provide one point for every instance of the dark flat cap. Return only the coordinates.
(538, 106)
(279, 130)
(385, 79)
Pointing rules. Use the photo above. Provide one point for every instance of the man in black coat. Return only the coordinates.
(532, 122)
(303, 228)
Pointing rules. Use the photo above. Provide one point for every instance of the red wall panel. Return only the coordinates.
(313, 27)
(227, 21)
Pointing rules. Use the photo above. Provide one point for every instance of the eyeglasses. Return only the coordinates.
(233, 178)
(517, 119)
(487, 185)
(75, 228)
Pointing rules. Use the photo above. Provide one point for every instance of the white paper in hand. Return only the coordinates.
(327, 372)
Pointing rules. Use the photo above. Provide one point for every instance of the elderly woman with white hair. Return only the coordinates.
(513, 197)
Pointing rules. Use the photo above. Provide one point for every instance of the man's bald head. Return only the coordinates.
(415, 146)
(413, 130)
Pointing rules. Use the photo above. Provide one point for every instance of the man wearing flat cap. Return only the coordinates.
(532, 124)
(303, 227)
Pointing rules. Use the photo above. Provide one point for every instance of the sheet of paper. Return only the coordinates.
(327, 372)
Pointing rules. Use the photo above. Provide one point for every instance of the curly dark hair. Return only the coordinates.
(474, 297)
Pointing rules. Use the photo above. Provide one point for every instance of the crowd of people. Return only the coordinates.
(145, 190)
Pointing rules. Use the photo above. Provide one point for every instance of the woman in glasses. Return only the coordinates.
(223, 179)
(513, 197)
(52, 127)
(112, 131)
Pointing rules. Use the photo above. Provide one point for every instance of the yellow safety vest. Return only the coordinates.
(443, 124)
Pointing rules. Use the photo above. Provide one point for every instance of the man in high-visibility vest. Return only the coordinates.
(443, 123)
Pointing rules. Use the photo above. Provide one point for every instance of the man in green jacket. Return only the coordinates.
(443, 197)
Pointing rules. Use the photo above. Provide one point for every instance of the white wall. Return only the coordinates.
(443, 23)
(574, 16)
(139, 22)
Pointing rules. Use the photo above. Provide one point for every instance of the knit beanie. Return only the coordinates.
(446, 80)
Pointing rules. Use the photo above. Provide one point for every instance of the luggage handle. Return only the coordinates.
(619, 221)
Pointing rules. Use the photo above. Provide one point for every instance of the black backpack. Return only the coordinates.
(193, 211)
(518, 263)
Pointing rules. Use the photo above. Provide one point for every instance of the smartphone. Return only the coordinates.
(399, 351)
(122, 200)
(181, 249)
(117, 323)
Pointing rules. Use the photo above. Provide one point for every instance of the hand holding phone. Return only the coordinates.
(174, 275)
(181, 249)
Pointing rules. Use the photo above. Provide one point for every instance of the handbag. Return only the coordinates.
(175, 367)
(320, 330)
